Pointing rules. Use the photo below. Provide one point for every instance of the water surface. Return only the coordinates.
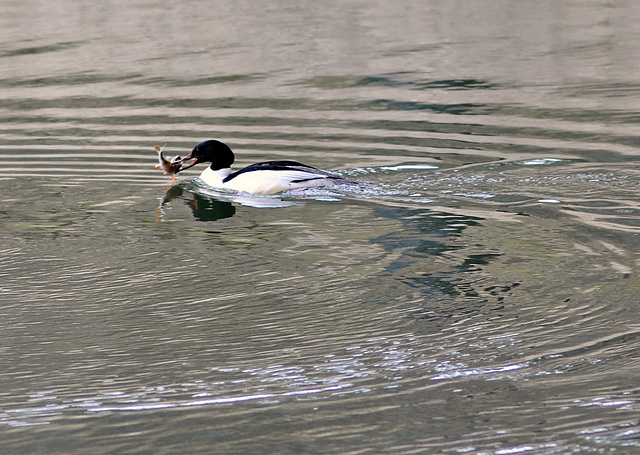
(477, 296)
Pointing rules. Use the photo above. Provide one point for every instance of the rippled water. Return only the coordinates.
(479, 295)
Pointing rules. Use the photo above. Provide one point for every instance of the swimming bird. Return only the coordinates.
(269, 177)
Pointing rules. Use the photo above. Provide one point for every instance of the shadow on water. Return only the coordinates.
(427, 259)
(447, 276)
(410, 81)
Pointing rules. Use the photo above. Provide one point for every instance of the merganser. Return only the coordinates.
(269, 177)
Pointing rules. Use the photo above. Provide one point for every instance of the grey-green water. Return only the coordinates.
(479, 296)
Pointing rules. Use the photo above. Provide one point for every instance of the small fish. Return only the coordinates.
(167, 166)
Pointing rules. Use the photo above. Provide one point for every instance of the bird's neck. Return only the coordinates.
(222, 173)
(215, 178)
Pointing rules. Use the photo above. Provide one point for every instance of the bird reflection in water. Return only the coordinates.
(203, 208)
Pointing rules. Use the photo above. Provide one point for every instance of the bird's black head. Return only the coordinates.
(215, 152)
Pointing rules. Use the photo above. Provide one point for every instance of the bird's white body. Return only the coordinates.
(263, 181)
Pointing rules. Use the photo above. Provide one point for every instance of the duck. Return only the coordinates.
(265, 178)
